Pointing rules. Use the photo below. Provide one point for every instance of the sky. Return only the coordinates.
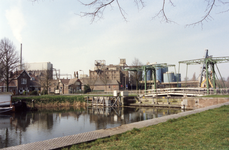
(53, 31)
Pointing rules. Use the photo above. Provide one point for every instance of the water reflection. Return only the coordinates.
(22, 128)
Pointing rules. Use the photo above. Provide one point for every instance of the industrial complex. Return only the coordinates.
(42, 76)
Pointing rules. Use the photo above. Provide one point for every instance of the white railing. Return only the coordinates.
(187, 91)
(176, 91)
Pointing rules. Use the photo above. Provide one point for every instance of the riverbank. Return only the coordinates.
(205, 130)
(193, 133)
(52, 100)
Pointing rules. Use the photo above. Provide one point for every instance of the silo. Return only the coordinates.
(149, 75)
(164, 70)
(177, 78)
(168, 77)
(159, 74)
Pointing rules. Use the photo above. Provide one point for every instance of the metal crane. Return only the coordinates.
(207, 61)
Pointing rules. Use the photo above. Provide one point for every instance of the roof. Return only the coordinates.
(16, 74)
(11, 84)
(34, 83)
(65, 81)
(74, 80)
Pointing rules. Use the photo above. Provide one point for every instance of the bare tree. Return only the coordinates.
(91, 82)
(100, 5)
(45, 79)
(9, 60)
(104, 77)
(1, 68)
(136, 76)
(227, 82)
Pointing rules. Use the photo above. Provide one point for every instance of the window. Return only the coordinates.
(23, 81)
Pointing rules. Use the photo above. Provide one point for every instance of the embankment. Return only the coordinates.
(52, 101)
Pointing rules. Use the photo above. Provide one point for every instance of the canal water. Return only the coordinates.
(28, 127)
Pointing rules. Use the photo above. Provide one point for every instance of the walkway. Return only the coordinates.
(188, 91)
(89, 136)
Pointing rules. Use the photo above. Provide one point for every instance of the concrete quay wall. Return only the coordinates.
(201, 102)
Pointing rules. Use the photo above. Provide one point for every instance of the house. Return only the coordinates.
(70, 86)
(64, 86)
(19, 82)
(34, 83)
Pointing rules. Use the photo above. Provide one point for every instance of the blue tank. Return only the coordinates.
(168, 77)
(159, 74)
(164, 70)
(149, 75)
(177, 78)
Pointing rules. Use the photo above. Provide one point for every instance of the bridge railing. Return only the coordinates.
(177, 91)
(188, 91)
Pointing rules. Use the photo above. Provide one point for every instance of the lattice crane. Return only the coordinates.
(207, 61)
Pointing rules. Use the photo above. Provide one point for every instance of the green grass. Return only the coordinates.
(48, 97)
(206, 130)
(216, 96)
(45, 99)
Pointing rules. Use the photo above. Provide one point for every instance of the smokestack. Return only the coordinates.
(21, 58)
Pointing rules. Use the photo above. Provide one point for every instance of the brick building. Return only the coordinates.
(109, 78)
(19, 82)
(65, 86)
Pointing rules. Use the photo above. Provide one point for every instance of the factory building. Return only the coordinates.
(107, 77)
(39, 68)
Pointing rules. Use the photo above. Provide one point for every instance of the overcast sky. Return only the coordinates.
(52, 31)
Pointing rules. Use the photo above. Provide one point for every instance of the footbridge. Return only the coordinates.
(185, 92)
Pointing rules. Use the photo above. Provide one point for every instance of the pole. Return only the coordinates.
(144, 68)
(154, 79)
(204, 67)
(186, 75)
(178, 73)
(213, 76)
(206, 62)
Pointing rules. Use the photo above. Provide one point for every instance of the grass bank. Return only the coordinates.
(216, 96)
(205, 130)
(53, 100)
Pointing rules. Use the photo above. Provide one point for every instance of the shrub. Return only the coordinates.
(33, 93)
(24, 93)
(87, 88)
(44, 92)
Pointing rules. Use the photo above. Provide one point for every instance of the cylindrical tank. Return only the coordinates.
(159, 74)
(177, 78)
(149, 75)
(164, 70)
(168, 77)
